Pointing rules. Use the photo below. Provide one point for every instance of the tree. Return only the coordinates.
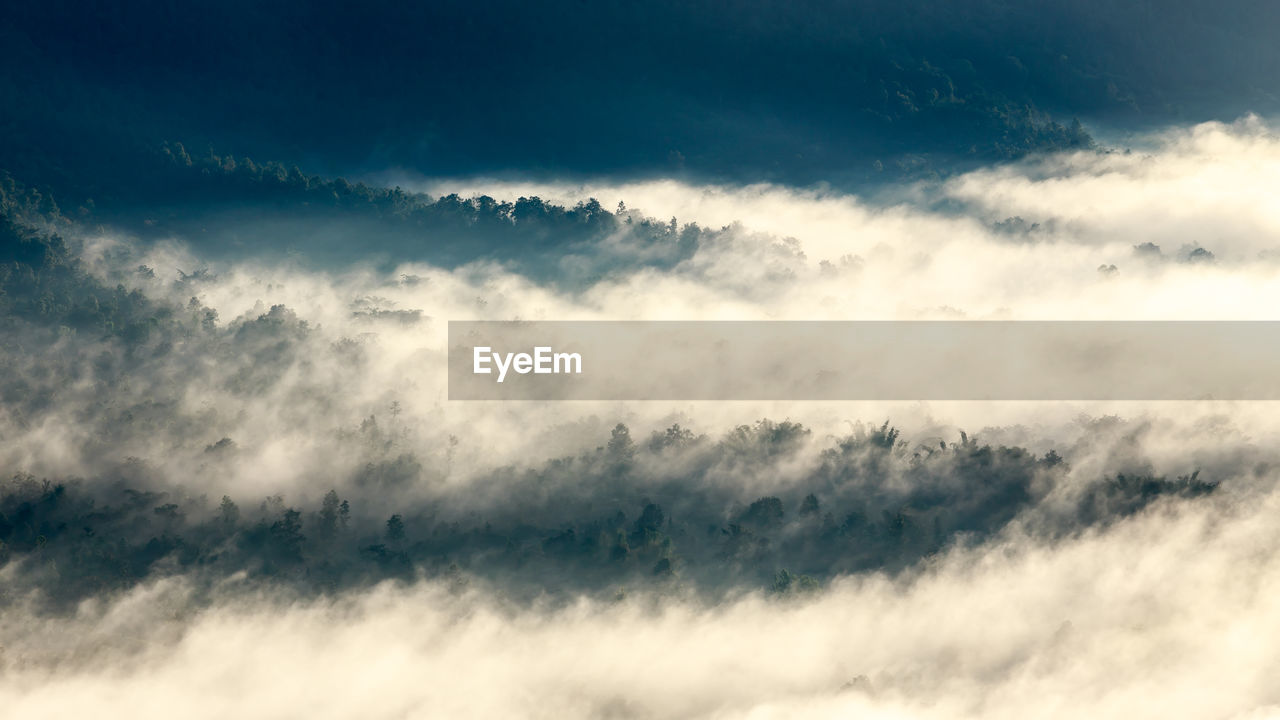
(395, 529)
(809, 506)
(228, 513)
(763, 513)
(327, 522)
(620, 445)
(286, 537)
(651, 519)
(786, 582)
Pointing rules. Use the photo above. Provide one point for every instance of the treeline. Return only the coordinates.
(216, 201)
(44, 285)
(197, 184)
(665, 510)
(627, 515)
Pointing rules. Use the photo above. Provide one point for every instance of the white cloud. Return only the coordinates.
(1167, 614)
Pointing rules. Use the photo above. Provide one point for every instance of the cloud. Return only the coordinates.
(287, 377)
(924, 251)
(919, 250)
(1160, 614)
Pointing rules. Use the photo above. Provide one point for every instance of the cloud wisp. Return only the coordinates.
(642, 559)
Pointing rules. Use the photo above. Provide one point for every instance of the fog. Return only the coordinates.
(377, 337)
(1163, 614)
(1058, 559)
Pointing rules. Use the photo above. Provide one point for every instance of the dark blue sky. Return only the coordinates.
(790, 91)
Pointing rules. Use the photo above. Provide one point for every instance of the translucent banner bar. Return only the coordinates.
(944, 360)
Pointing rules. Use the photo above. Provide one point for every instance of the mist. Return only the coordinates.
(233, 475)
(1160, 613)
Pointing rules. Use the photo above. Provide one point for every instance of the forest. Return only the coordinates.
(234, 481)
(633, 513)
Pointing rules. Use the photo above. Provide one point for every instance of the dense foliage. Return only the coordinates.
(632, 512)
(596, 523)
